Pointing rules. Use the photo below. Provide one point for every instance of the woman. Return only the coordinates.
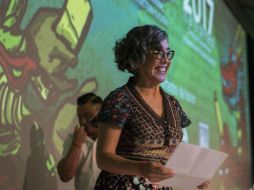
(139, 124)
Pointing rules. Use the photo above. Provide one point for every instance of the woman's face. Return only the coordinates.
(154, 70)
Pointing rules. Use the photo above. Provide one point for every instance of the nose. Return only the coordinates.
(164, 58)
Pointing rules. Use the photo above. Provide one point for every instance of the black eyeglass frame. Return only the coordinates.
(160, 54)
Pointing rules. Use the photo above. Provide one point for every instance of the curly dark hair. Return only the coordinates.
(132, 50)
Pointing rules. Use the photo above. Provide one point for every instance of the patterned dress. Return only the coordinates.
(145, 135)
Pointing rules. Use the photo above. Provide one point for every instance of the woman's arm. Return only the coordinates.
(108, 138)
(107, 159)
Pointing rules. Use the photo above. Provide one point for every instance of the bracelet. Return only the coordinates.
(77, 145)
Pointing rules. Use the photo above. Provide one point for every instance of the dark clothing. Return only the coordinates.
(145, 135)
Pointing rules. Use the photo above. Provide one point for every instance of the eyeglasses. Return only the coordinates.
(159, 54)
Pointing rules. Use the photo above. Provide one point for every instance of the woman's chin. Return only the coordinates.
(160, 79)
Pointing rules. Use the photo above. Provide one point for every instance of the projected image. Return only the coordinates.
(35, 89)
(53, 51)
(232, 71)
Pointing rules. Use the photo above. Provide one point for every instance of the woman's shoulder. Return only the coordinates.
(119, 93)
(171, 97)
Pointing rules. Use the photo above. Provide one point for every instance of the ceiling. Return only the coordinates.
(244, 13)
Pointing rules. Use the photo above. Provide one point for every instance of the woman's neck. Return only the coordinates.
(147, 89)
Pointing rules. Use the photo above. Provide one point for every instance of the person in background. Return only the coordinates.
(80, 147)
(140, 125)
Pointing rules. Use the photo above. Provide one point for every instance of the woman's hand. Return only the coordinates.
(203, 185)
(155, 171)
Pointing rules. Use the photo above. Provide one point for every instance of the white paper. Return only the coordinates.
(192, 165)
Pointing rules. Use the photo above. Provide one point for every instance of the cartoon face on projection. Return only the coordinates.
(53, 56)
(50, 44)
(54, 41)
(34, 62)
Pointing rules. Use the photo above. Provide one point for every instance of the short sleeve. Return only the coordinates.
(185, 121)
(115, 108)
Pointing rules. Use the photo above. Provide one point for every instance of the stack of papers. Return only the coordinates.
(192, 165)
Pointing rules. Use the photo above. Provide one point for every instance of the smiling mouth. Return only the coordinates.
(162, 69)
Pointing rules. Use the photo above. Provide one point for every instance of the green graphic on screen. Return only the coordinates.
(53, 51)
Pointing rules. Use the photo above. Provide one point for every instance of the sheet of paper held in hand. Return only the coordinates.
(192, 165)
